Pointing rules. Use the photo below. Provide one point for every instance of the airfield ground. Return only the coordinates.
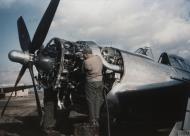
(21, 119)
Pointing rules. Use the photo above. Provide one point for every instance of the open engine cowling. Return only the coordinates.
(60, 67)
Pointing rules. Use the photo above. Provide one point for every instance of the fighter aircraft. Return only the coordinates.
(138, 88)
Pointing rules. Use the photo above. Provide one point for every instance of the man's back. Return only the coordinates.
(93, 67)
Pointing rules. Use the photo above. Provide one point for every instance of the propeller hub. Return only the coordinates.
(19, 57)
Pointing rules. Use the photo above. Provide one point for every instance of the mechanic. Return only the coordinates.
(92, 67)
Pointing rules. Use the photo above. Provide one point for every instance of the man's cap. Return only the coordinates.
(87, 50)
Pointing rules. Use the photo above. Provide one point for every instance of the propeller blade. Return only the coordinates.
(35, 91)
(21, 73)
(44, 26)
(24, 37)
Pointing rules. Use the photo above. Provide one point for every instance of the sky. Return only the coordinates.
(163, 25)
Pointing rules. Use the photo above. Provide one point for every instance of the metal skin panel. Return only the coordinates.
(140, 72)
(146, 91)
(144, 74)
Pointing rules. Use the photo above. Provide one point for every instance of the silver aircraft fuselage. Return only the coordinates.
(148, 91)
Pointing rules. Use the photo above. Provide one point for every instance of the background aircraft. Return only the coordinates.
(10, 88)
(139, 89)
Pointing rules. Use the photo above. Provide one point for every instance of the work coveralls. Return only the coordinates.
(94, 86)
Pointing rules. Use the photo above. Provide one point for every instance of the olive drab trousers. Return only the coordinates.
(94, 97)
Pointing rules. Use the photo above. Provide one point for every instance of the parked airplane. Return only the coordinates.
(6, 88)
(139, 89)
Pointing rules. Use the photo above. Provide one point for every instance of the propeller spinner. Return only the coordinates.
(25, 57)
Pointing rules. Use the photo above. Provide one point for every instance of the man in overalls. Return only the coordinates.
(92, 67)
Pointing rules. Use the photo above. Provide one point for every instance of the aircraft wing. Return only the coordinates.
(7, 89)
